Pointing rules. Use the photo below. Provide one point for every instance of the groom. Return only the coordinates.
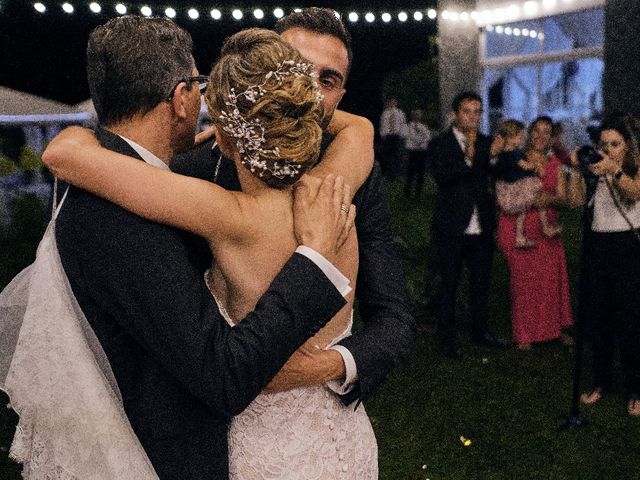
(361, 362)
(181, 369)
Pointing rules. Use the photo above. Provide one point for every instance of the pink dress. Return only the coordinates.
(540, 302)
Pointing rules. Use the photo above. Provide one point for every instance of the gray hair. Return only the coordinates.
(132, 64)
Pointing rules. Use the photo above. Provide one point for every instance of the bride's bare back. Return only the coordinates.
(243, 271)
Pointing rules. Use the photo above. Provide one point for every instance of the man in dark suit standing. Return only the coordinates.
(463, 221)
(366, 357)
(182, 371)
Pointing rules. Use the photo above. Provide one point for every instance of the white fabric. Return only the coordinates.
(301, 434)
(72, 423)
(473, 228)
(393, 122)
(145, 154)
(351, 372)
(333, 274)
(606, 217)
(418, 136)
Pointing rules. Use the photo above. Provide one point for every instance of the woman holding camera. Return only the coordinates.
(610, 270)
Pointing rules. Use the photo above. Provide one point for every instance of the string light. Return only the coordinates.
(40, 8)
(402, 16)
(146, 11)
(369, 17)
(353, 17)
(278, 13)
(418, 16)
(193, 14)
(386, 17)
(258, 13)
(431, 13)
(170, 12)
(237, 14)
(95, 7)
(121, 9)
(216, 14)
(67, 7)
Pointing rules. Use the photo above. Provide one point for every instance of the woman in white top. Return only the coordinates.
(611, 258)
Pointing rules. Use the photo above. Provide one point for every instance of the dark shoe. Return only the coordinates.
(489, 340)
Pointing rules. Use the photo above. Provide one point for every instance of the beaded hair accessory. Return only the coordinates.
(249, 134)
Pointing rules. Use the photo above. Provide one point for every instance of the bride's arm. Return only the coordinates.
(350, 153)
(201, 207)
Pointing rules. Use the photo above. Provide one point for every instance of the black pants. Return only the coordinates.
(610, 303)
(392, 148)
(417, 164)
(476, 253)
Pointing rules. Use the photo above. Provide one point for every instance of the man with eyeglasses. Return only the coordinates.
(181, 370)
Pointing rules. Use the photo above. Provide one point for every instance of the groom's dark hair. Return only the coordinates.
(319, 20)
(132, 64)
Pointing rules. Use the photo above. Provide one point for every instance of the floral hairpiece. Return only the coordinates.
(249, 134)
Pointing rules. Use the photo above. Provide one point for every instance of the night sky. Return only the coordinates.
(44, 54)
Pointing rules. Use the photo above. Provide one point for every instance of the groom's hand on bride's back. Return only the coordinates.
(322, 214)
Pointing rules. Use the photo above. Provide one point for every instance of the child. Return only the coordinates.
(517, 184)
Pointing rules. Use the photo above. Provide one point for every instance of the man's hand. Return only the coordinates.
(306, 368)
(205, 135)
(323, 221)
(470, 137)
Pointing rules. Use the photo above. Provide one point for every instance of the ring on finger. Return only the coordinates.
(344, 208)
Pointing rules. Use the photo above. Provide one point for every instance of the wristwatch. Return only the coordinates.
(618, 174)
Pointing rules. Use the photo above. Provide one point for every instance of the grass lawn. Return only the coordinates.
(508, 404)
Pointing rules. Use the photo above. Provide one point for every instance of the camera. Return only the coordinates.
(587, 156)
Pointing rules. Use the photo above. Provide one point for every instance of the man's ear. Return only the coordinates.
(179, 100)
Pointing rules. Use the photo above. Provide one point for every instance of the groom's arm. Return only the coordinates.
(388, 332)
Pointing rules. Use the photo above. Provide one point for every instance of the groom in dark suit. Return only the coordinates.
(361, 362)
(181, 369)
(463, 221)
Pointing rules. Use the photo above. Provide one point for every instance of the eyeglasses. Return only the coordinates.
(202, 84)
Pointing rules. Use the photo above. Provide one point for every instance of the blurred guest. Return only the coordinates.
(610, 279)
(559, 144)
(418, 138)
(393, 130)
(540, 304)
(517, 184)
(463, 220)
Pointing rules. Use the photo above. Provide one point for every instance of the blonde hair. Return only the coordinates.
(510, 128)
(288, 112)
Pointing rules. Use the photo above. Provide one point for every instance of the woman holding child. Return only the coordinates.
(540, 302)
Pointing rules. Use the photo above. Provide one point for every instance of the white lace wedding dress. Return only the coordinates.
(302, 434)
(72, 423)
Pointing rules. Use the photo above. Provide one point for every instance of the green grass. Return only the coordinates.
(509, 404)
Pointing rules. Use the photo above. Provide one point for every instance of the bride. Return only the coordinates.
(265, 105)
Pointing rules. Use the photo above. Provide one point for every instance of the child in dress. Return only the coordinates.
(517, 184)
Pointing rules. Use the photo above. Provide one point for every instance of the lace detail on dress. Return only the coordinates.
(301, 434)
(72, 423)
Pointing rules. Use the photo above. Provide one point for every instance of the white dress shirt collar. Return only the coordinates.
(145, 154)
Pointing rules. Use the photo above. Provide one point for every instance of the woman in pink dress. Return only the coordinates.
(540, 303)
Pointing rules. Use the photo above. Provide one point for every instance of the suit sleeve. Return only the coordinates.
(388, 332)
(143, 275)
(446, 169)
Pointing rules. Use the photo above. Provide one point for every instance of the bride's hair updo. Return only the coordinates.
(263, 97)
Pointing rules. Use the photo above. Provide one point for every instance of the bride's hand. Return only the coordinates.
(205, 135)
(306, 368)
